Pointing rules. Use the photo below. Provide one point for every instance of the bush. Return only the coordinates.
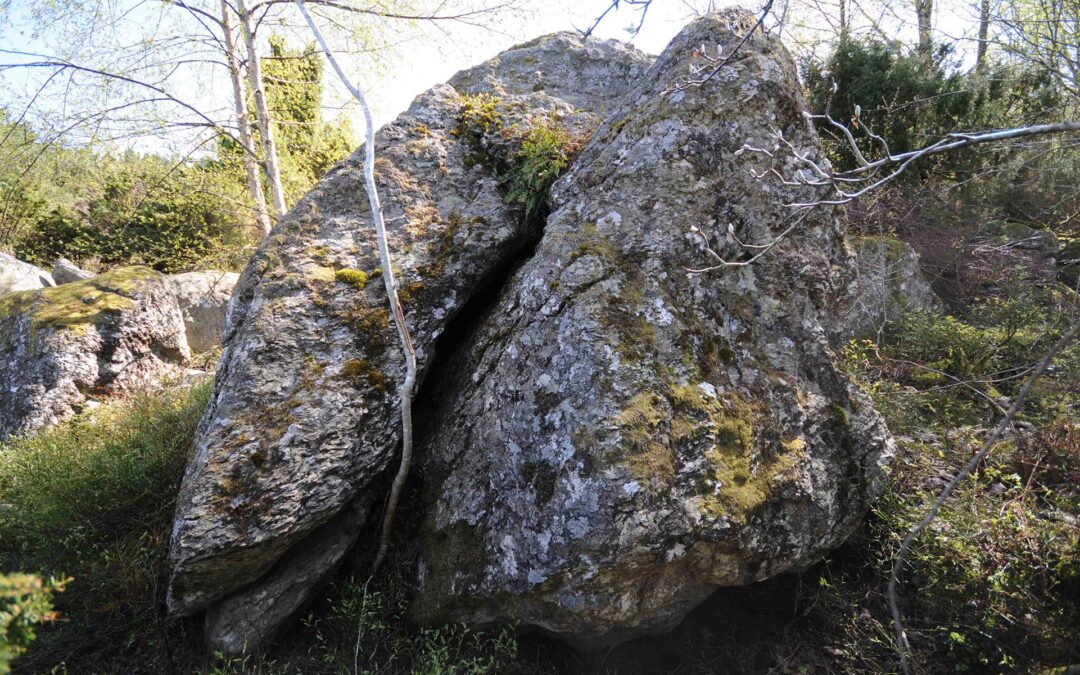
(144, 213)
(24, 602)
(93, 499)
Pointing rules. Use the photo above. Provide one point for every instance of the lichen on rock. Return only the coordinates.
(618, 438)
(307, 381)
(109, 334)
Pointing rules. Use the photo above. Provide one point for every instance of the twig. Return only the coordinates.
(409, 386)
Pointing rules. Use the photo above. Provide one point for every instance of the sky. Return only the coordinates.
(420, 56)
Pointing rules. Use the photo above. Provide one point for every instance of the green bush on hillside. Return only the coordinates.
(92, 499)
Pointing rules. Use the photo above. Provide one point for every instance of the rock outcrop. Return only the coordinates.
(614, 438)
(304, 410)
(64, 272)
(16, 275)
(888, 284)
(204, 301)
(619, 438)
(111, 334)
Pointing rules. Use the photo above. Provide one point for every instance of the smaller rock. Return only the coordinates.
(1038, 243)
(204, 301)
(1068, 264)
(16, 275)
(65, 272)
(60, 347)
(889, 283)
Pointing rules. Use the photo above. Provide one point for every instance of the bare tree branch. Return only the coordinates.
(408, 387)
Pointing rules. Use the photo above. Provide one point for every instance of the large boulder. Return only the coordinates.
(204, 300)
(889, 283)
(112, 334)
(304, 410)
(16, 275)
(619, 438)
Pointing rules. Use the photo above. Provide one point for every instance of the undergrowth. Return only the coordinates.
(92, 499)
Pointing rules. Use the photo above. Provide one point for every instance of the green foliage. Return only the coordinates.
(93, 499)
(307, 145)
(911, 101)
(545, 152)
(361, 627)
(143, 212)
(25, 601)
(989, 586)
(527, 156)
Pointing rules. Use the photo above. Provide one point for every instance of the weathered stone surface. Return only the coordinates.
(619, 438)
(64, 272)
(111, 334)
(204, 300)
(253, 616)
(16, 275)
(889, 283)
(304, 411)
(1068, 264)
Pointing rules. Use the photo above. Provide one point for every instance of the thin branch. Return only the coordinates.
(409, 385)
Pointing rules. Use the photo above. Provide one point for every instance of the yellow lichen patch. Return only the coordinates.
(77, 305)
(421, 217)
(323, 274)
(361, 371)
(358, 279)
(738, 482)
(641, 425)
(796, 444)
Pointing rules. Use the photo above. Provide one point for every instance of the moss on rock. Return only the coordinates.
(79, 304)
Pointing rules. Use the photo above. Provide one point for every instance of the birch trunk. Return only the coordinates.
(262, 113)
(251, 164)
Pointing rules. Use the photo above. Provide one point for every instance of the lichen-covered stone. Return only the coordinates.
(889, 283)
(304, 410)
(619, 438)
(111, 334)
(16, 275)
(204, 299)
(64, 272)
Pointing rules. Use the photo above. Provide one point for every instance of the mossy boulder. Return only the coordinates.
(304, 412)
(62, 346)
(889, 283)
(617, 438)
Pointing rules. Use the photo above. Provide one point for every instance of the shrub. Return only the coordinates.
(24, 602)
(144, 213)
(93, 499)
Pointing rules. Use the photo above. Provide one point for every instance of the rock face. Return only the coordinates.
(65, 272)
(304, 411)
(619, 438)
(16, 275)
(204, 299)
(111, 334)
(889, 283)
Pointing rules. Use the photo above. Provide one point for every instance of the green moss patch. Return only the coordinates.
(80, 304)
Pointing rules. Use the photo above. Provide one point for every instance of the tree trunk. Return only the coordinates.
(984, 30)
(924, 9)
(843, 17)
(251, 164)
(262, 113)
